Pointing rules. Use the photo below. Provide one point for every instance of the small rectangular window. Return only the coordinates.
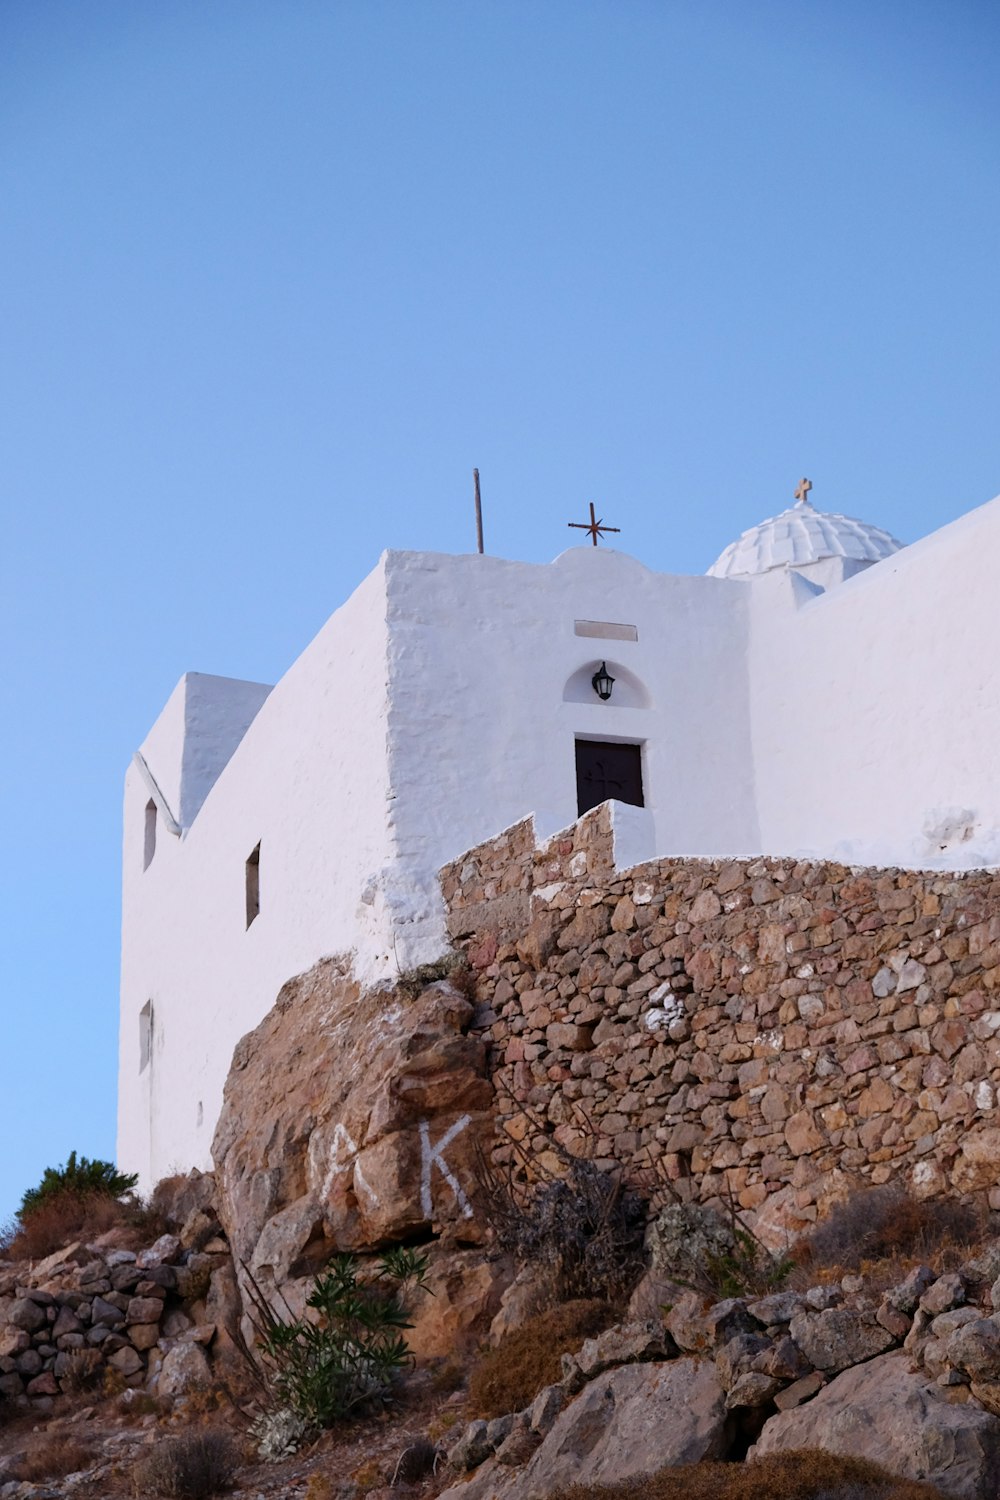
(253, 885)
(145, 1035)
(149, 839)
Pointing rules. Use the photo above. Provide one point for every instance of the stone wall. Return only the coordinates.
(780, 1028)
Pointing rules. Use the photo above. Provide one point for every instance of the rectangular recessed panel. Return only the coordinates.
(605, 630)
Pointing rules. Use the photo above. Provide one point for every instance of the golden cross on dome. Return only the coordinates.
(802, 493)
(594, 526)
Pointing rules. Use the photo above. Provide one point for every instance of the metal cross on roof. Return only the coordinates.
(594, 526)
(802, 493)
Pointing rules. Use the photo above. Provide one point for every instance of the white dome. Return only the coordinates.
(799, 536)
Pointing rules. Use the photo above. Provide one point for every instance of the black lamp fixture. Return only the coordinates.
(603, 682)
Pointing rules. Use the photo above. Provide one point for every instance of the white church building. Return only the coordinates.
(822, 690)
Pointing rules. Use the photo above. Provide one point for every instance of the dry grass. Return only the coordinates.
(508, 1377)
(806, 1474)
(52, 1456)
(64, 1217)
(885, 1229)
(187, 1468)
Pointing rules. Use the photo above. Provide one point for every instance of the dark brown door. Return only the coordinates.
(604, 770)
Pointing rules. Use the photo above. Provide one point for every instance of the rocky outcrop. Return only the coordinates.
(350, 1122)
(883, 1411)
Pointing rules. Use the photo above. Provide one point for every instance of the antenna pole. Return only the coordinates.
(479, 513)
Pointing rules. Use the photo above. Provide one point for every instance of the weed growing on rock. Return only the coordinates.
(453, 967)
(83, 1177)
(326, 1370)
(527, 1359)
(193, 1467)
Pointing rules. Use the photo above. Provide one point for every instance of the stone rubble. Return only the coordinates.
(84, 1312)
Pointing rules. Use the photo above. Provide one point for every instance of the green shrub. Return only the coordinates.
(82, 1178)
(323, 1371)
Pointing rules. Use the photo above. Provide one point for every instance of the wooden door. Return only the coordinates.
(606, 770)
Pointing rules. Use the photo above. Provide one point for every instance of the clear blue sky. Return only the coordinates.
(275, 276)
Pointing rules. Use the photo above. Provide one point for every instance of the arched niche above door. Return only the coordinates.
(629, 690)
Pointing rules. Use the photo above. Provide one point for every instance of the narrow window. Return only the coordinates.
(253, 885)
(149, 841)
(145, 1035)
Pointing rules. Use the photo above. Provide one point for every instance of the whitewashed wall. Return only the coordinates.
(482, 656)
(308, 783)
(876, 706)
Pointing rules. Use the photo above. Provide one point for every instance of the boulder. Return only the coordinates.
(177, 1198)
(625, 1344)
(164, 1252)
(839, 1337)
(185, 1367)
(357, 1111)
(624, 1426)
(26, 1314)
(881, 1411)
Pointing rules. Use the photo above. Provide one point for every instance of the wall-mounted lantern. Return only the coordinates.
(603, 682)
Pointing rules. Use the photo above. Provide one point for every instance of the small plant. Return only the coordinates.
(887, 1223)
(82, 1371)
(82, 1177)
(527, 1359)
(324, 1370)
(453, 966)
(583, 1227)
(713, 1253)
(53, 1456)
(279, 1433)
(193, 1467)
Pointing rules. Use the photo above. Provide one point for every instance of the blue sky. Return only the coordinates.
(275, 276)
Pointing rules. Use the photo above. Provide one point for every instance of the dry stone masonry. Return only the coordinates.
(158, 1319)
(777, 1028)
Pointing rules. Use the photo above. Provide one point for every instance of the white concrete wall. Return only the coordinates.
(308, 783)
(876, 707)
(485, 674)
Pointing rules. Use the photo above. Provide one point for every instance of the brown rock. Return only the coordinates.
(363, 1108)
(26, 1314)
(462, 1297)
(141, 1310)
(143, 1335)
(977, 1165)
